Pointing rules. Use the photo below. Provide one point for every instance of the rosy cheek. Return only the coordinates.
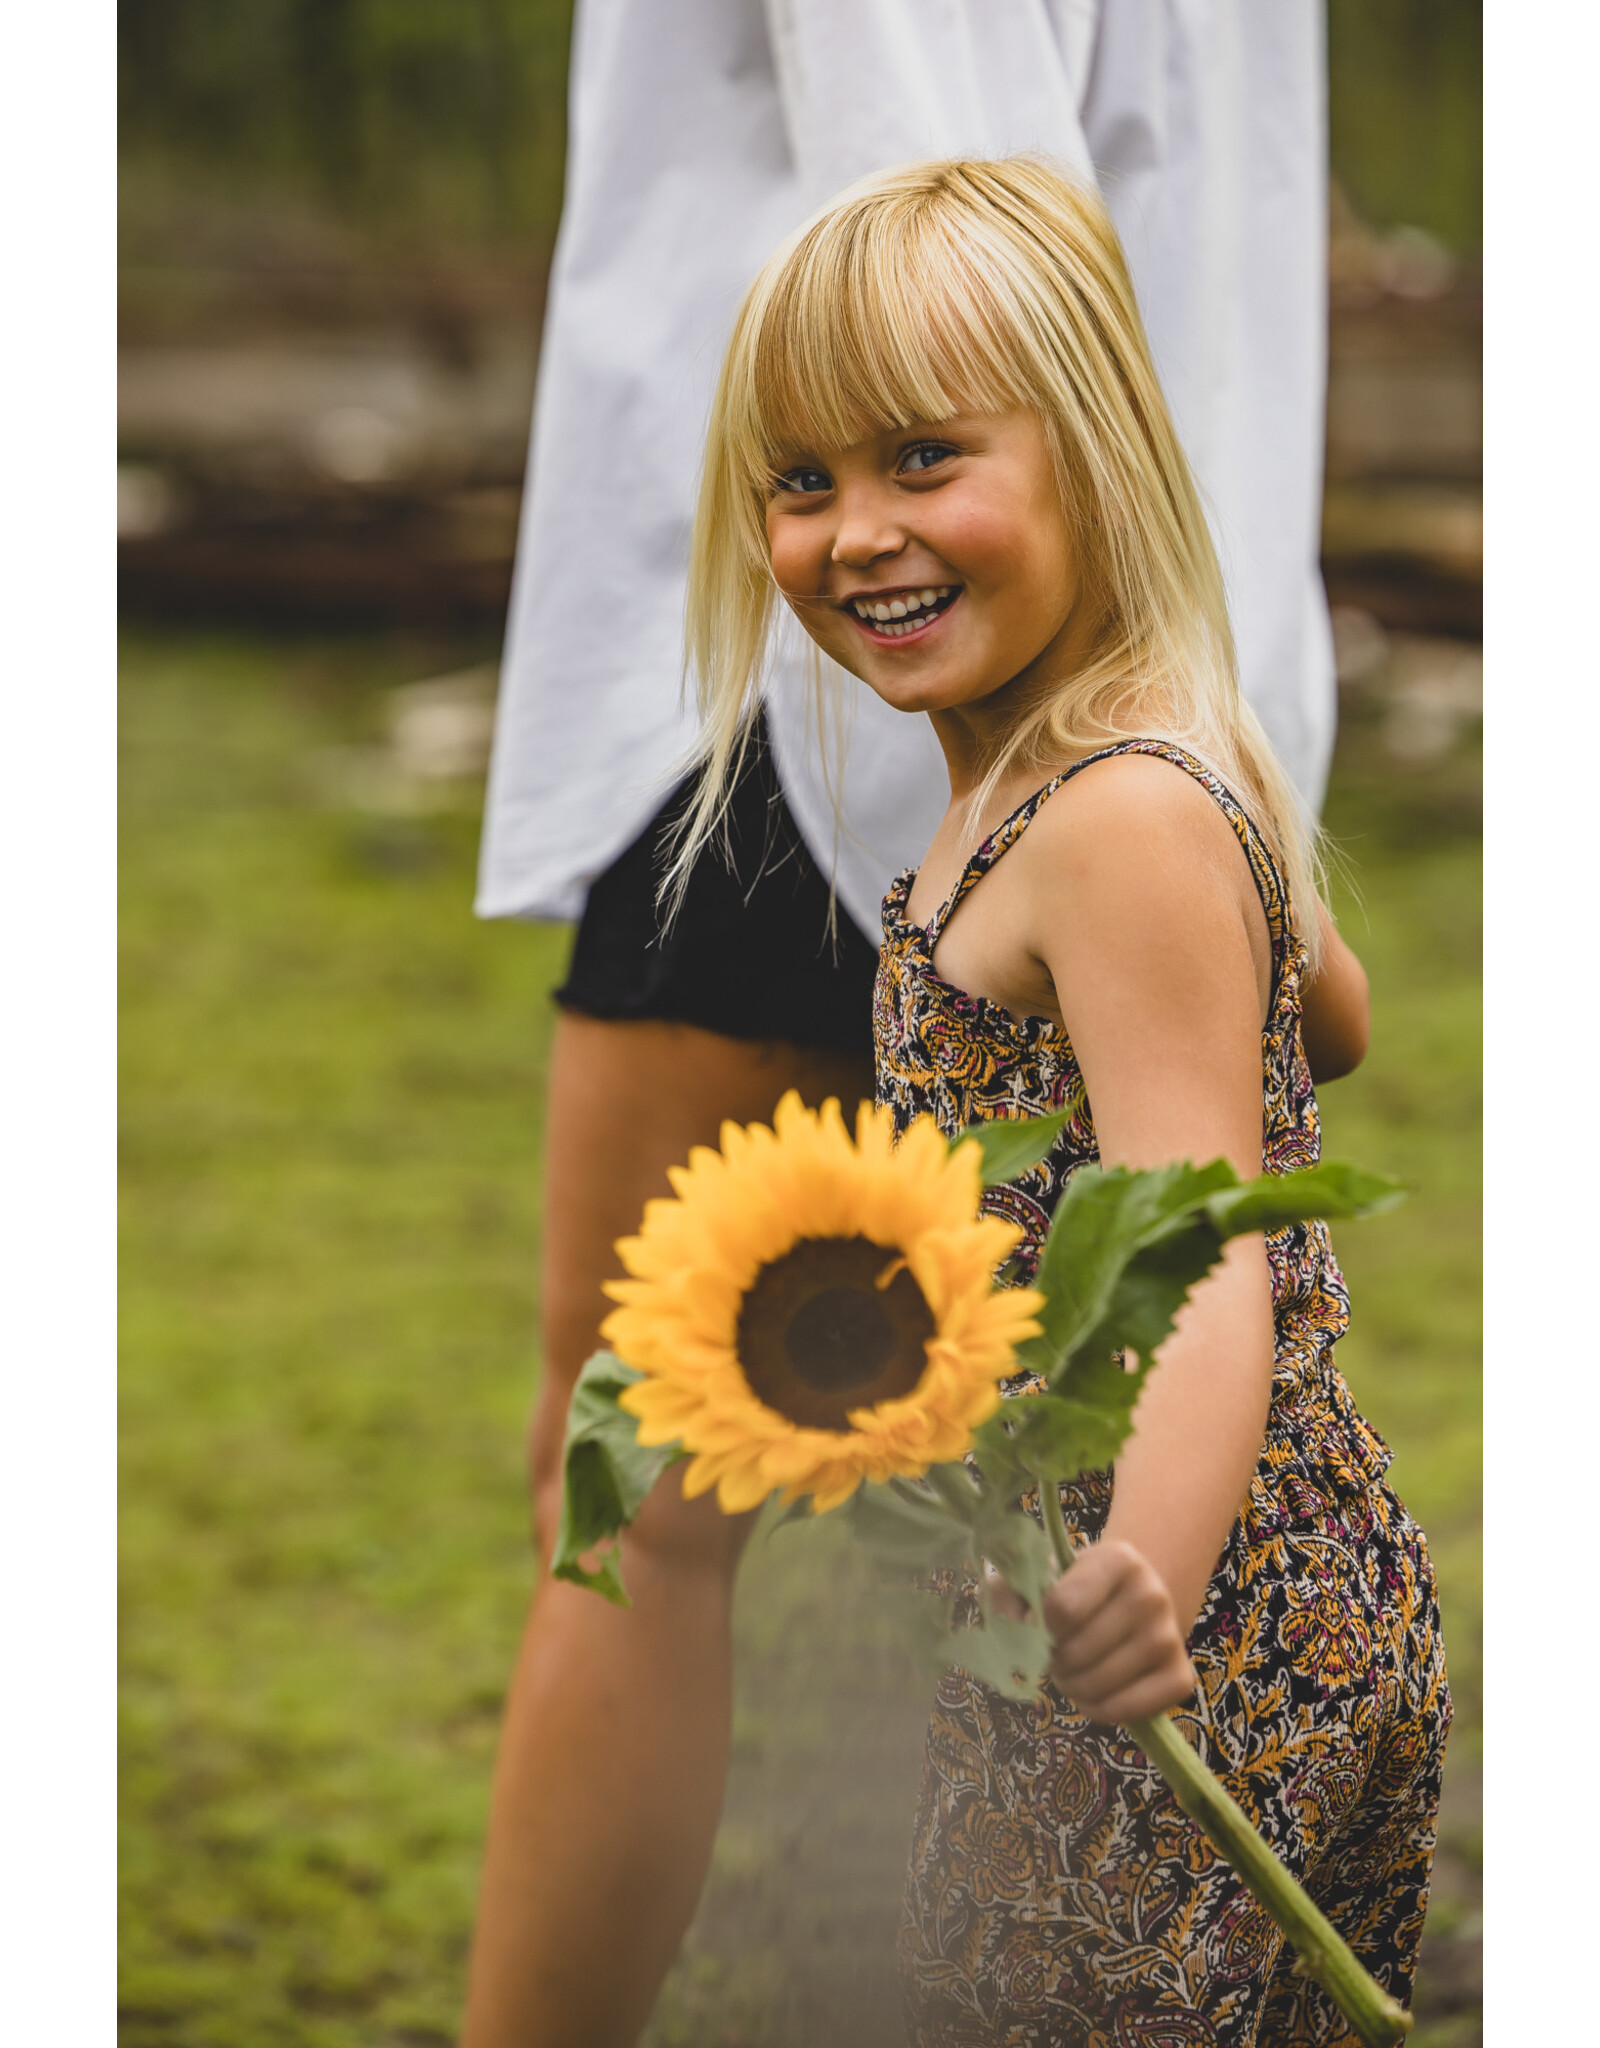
(790, 558)
(983, 540)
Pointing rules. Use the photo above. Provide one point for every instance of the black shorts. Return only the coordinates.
(751, 952)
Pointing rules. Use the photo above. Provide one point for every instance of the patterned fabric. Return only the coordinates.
(1057, 1894)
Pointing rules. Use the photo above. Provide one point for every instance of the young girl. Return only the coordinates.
(939, 439)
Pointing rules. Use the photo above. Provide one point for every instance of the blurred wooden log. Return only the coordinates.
(375, 474)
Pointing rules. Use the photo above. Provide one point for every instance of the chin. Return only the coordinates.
(902, 689)
(913, 696)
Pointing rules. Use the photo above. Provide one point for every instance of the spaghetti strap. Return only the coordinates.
(1269, 882)
(998, 842)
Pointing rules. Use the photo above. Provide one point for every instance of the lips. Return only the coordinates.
(901, 612)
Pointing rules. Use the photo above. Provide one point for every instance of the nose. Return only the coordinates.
(867, 529)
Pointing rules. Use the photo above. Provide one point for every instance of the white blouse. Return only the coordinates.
(702, 132)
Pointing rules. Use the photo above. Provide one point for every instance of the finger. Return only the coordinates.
(1153, 1694)
(1089, 1584)
(1139, 1611)
(1139, 1657)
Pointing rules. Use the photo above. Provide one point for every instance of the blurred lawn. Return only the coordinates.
(332, 1098)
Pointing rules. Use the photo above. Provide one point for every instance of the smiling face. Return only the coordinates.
(987, 305)
(933, 561)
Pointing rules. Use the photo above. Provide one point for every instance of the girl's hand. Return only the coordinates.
(1120, 1653)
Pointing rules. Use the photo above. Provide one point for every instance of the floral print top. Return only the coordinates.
(965, 1059)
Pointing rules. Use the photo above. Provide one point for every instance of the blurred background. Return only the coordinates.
(337, 220)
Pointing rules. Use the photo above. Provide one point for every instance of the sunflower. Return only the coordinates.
(810, 1312)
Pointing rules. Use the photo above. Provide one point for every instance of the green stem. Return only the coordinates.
(908, 1489)
(1055, 1522)
(955, 1484)
(1377, 2018)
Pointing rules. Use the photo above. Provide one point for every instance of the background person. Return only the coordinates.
(699, 138)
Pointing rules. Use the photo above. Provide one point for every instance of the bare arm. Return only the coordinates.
(1147, 921)
(1336, 1013)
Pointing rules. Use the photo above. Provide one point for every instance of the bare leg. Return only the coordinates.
(615, 1744)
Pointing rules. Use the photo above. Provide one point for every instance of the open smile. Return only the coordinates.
(902, 614)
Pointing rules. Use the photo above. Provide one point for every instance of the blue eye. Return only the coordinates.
(804, 479)
(925, 455)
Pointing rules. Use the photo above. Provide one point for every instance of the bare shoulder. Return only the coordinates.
(1138, 810)
(1135, 871)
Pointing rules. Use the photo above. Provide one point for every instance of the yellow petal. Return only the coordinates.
(742, 1488)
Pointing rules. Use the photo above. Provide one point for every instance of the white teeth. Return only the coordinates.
(896, 615)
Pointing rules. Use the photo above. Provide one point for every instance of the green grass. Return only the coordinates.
(1411, 841)
(333, 1090)
(1413, 1358)
(332, 1087)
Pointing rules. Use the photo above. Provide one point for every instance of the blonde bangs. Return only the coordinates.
(870, 328)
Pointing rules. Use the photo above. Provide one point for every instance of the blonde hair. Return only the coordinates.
(981, 286)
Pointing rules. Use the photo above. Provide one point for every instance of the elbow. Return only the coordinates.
(1358, 1028)
(1333, 1063)
(1337, 1044)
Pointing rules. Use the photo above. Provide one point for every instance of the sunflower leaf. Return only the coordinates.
(798, 1510)
(606, 1474)
(1332, 1190)
(1144, 1303)
(1124, 1248)
(1013, 1146)
(1017, 1546)
(1104, 1217)
(927, 1623)
(911, 1529)
(1010, 1656)
(994, 1445)
(1124, 1251)
(1057, 1436)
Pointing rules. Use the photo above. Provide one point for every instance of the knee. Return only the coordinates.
(670, 1533)
(689, 1537)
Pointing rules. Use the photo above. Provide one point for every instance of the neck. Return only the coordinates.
(973, 736)
(970, 746)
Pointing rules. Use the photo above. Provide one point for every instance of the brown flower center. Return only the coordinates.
(819, 1335)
